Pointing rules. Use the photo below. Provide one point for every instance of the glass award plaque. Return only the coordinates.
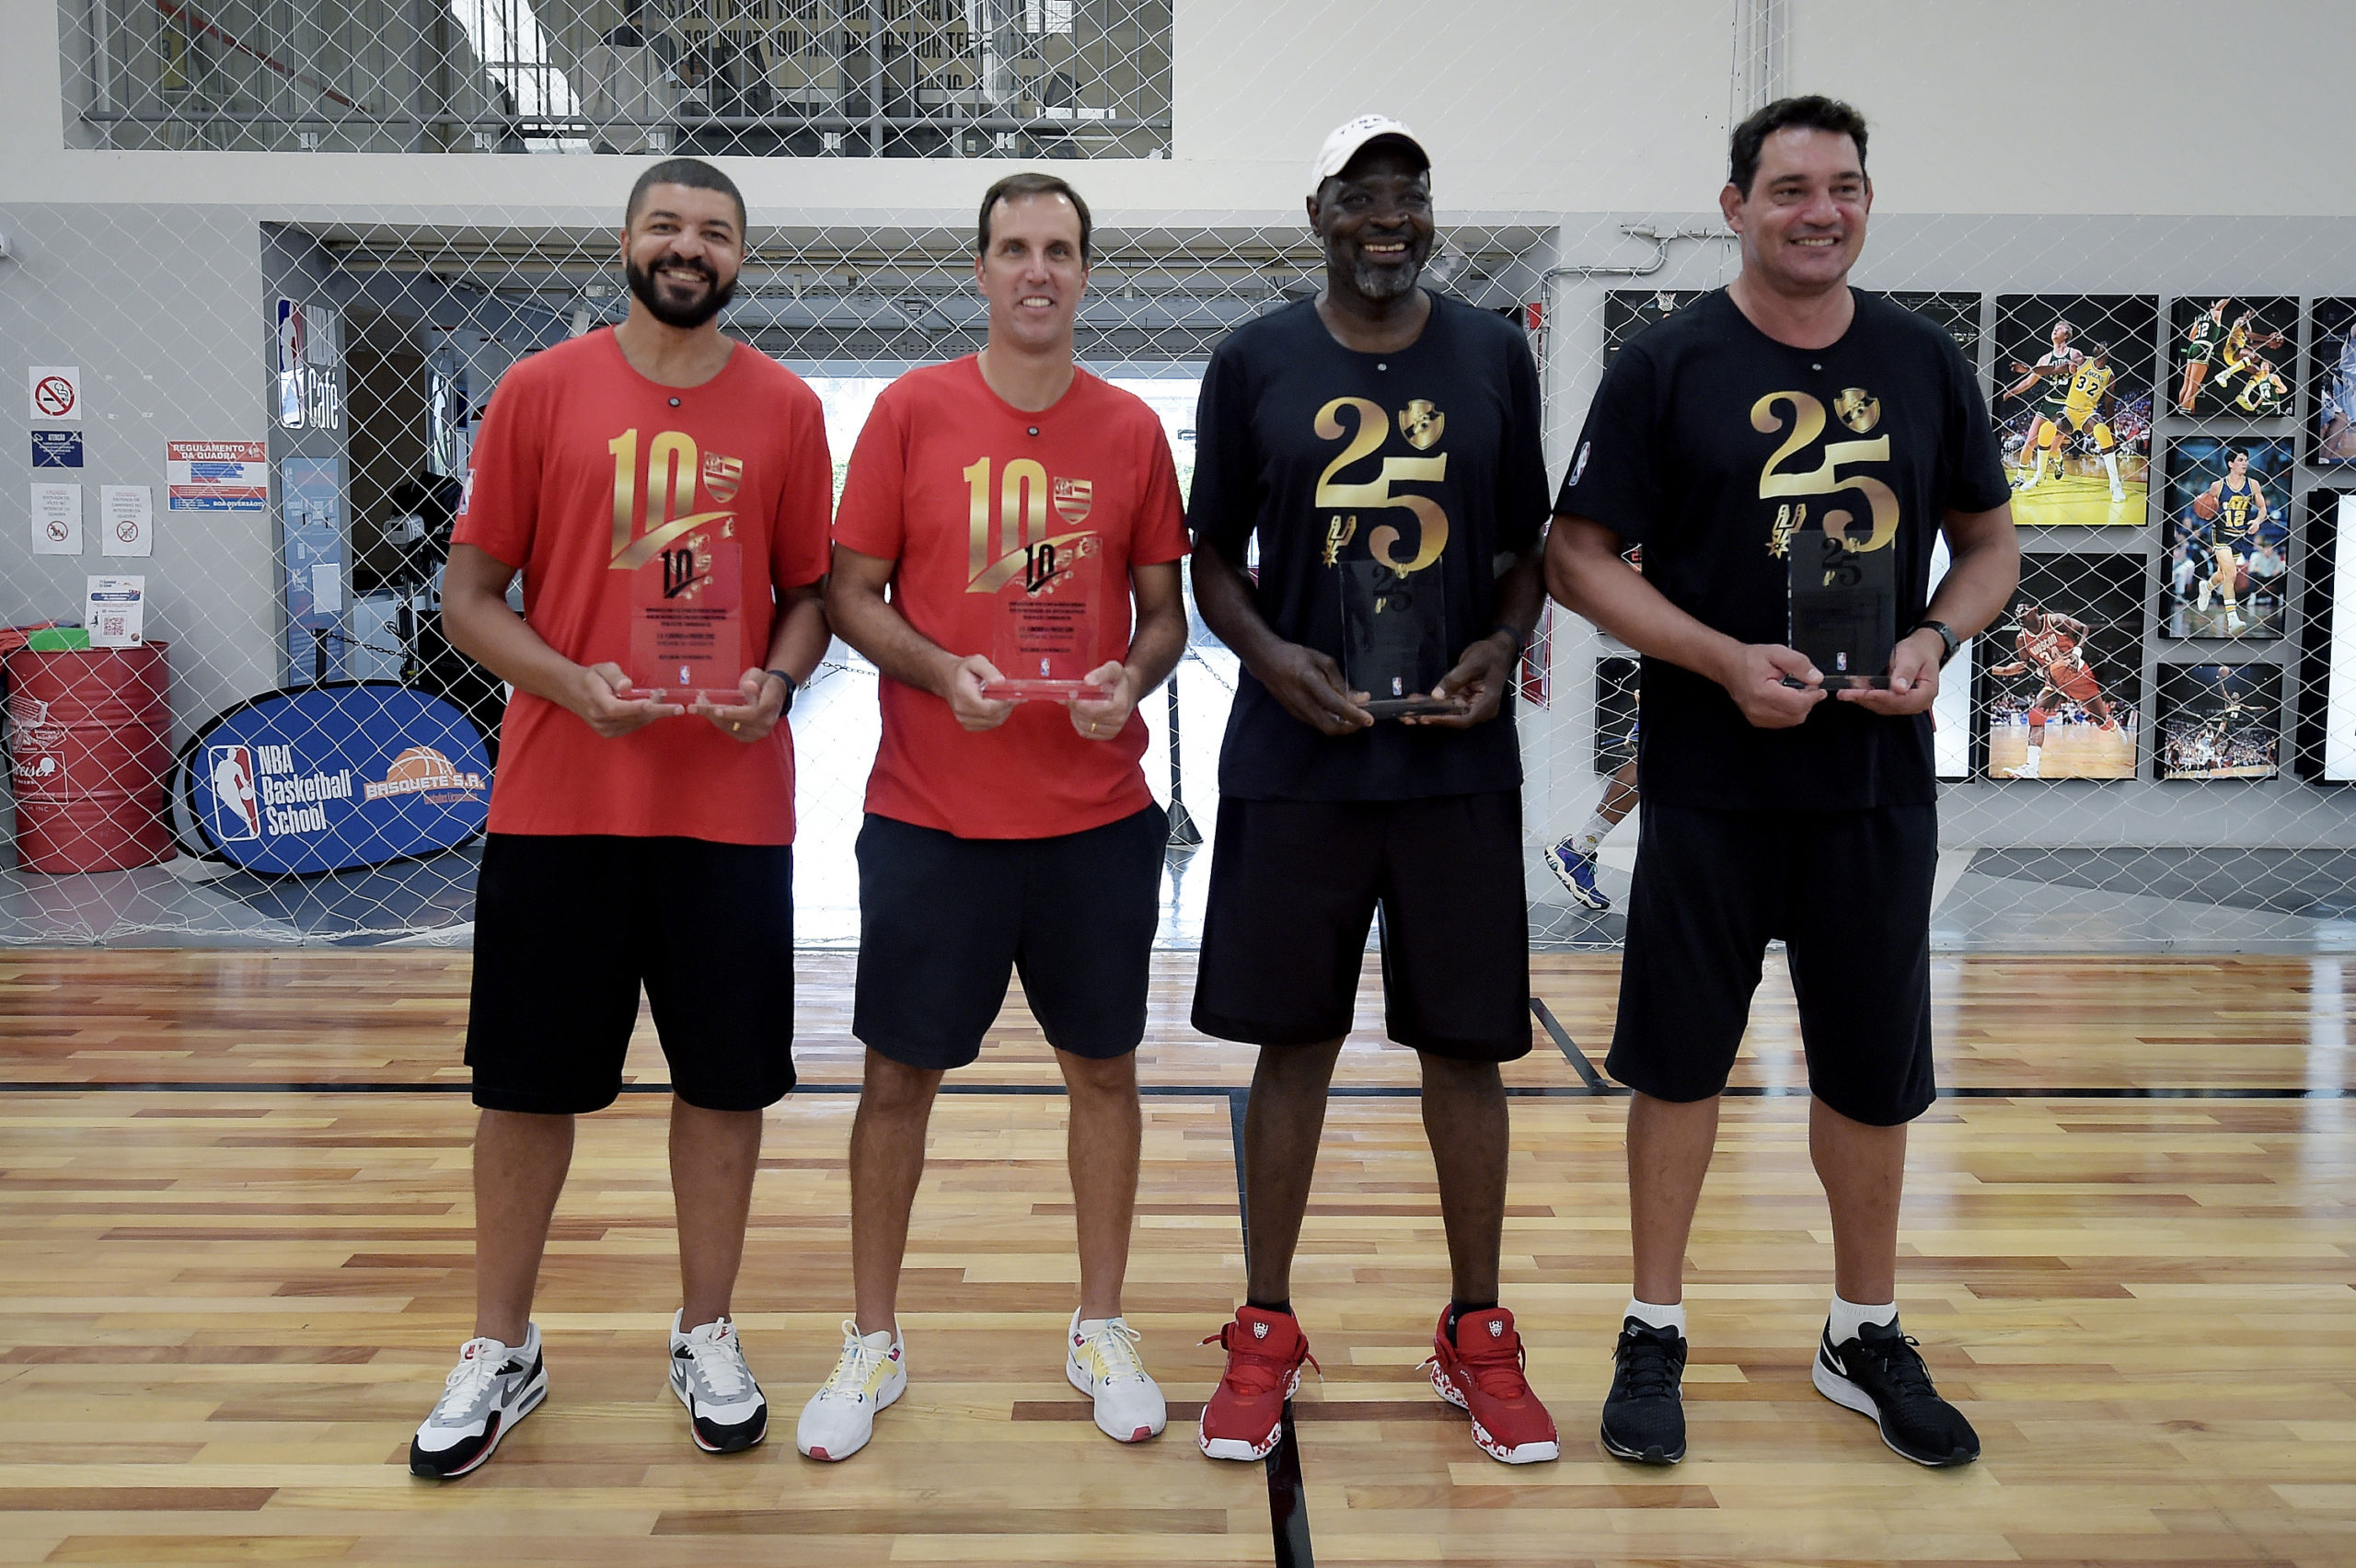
(1394, 639)
(686, 626)
(1042, 636)
(1845, 608)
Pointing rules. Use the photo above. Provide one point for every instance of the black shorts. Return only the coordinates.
(1848, 891)
(1295, 884)
(945, 921)
(567, 928)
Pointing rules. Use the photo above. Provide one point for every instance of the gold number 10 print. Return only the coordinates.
(672, 466)
(1022, 512)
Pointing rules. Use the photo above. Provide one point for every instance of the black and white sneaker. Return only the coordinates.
(1644, 1417)
(725, 1409)
(1880, 1373)
(493, 1388)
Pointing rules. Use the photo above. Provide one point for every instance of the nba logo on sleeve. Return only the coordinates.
(237, 806)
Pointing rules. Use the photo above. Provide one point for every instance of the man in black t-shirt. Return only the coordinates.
(1785, 403)
(1381, 444)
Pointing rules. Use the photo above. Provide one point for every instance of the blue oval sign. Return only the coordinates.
(336, 776)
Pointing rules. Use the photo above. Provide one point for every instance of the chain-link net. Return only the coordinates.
(2143, 751)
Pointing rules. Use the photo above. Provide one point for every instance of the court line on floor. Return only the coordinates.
(1569, 1047)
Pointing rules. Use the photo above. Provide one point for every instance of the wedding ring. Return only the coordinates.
(735, 727)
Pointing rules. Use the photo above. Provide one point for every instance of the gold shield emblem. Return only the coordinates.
(722, 476)
(1858, 408)
(1073, 500)
(1421, 424)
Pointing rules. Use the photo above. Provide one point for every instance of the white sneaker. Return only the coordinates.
(870, 1374)
(1101, 1359)
(2235, 623)
(2025, 770)
(725, 1409)
(493, 1388)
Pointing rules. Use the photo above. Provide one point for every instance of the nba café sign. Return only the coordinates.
(333, 778)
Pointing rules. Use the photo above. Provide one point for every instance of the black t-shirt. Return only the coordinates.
(1451, 422)
(1708, 443)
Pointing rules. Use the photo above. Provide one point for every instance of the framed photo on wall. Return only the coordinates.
(2331, 380)
(2230, 355)
(2219, 721)
(2227, 568)
(1615, 713)
(2075, 376)
(2327, 733)
(2060, 676)
(1627, 312)
(1957, 314)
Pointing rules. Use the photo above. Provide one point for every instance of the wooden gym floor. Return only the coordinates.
(235, 1263)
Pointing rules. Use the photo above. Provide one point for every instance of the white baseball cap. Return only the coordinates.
(1343, 145)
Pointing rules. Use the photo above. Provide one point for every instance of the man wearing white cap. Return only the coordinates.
(1381, 443)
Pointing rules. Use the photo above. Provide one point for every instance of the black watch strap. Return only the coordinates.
(1947, 639)
(1517, 643)
(792, 685)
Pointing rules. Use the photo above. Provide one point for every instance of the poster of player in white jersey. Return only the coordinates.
(2059, 691)
(2331, 379)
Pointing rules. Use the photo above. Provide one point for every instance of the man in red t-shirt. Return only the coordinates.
(1015, 505)
(655, 474)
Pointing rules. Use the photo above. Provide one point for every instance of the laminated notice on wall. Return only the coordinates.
(57, 519)
(126, 520)
(115, 611)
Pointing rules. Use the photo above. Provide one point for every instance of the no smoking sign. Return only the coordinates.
(56, 393)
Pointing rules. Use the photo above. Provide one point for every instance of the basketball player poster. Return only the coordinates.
(2226, 572)
(1957, 314)
(2219, 721)
(2073, 397)
(2331, 380)
(2230, 356)
(2060, 679)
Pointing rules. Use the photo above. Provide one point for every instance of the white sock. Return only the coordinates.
(1654, 1317)
(1591, 837)
(1847, 1318)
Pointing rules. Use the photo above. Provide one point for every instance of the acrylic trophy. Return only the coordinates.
(1044, 626)
(687, 630)
(1843, 608)
(1394, 639)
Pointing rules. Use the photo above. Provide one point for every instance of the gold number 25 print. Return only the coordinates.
(1373, 426)
(1825, 478)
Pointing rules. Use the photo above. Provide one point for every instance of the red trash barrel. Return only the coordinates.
(89, 749)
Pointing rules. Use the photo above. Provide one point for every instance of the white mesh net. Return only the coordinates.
(2183, 747)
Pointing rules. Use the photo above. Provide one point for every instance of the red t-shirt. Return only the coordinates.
(560, 487)
(955, 485)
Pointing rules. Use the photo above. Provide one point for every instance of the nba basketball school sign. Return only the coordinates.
(331, 778)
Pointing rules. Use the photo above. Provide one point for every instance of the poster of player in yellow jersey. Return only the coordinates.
(2225, 354)
(2075, 385)
(2227, 571)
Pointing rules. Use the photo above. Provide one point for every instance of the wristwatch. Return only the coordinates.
(1949, 643)
(1517, 641)
(793, 686)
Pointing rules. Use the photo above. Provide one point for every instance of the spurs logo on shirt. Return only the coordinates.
(1785, 475)
(668, 477)
(1022, 541)
(1366, 428)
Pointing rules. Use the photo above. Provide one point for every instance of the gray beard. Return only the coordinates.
(1383, 283)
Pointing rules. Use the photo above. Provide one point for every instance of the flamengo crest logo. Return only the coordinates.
(420, 770)
(723, 476)
(1073, 499)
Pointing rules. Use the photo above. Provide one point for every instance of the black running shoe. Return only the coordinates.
(1881, 1373)
(1644, 1417)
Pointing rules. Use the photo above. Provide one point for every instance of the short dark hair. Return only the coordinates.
(693, 173)
(1813, 112)
(1030, 183)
